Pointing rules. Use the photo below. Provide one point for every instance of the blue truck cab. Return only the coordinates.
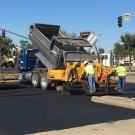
(27, 59)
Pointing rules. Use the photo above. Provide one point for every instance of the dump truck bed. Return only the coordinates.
(51, 42)
(40, 36)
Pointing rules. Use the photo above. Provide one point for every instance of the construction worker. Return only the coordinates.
(122, 73)
(98, 71)
(90, 75)
(11, 62)
(7, 62)
(106, 71)
(73, 72)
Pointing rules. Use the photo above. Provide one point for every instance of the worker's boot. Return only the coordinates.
(89, 92)
(119, 91)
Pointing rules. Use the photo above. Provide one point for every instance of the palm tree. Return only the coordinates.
(119, 51)
(128, 41)
(126, 47)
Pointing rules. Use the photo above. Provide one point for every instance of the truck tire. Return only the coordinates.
(35, 80)
(44, 81)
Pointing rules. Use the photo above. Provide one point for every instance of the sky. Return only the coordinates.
(99, 16)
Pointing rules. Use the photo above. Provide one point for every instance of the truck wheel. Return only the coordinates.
(35, 80)
(44, 82)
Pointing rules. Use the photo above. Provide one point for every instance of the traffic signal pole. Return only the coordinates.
(3, 31)
(16, 34)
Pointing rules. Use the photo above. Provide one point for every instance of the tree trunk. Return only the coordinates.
(130, 59)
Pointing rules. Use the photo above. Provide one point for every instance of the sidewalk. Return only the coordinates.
(123, 127)
(124, 102)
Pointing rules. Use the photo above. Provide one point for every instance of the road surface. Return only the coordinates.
(28, 110)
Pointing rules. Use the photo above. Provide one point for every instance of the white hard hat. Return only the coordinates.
(85, 62)
(121, 62)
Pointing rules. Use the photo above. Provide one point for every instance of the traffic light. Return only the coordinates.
(101, 50)
(120, 21)
(2, 32)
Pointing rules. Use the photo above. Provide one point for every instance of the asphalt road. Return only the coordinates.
(29, 110)
(130, 90)
(130, 85)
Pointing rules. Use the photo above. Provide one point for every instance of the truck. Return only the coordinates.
(9, 74)
(27, 59)
(61, 56)
(108, 59)
(9, 70)
(60, 61)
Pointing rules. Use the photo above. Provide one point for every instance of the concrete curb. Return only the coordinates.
(115, 101)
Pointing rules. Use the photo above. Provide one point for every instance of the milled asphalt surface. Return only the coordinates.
(29, 110)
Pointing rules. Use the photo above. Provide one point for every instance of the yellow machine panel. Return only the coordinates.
(57, 75)
(72, 71)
